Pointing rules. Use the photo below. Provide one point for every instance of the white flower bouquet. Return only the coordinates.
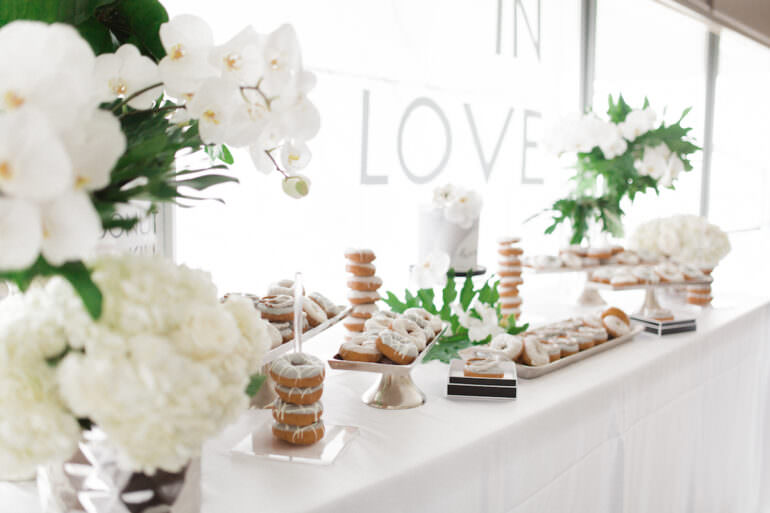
(619, 158)
(460, 206)
(687, 239)
(165, 367)
(94, 112)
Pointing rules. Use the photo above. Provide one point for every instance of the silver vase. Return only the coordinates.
(92, 482)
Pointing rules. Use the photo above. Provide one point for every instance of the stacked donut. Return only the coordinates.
(297, 411)
(510, 277)
(363, 284)
(389, 337)
(700, 294)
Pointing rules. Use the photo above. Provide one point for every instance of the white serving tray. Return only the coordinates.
(641, 286)
(287, 347)
(530, 372)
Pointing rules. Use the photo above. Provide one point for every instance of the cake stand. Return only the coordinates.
(651, 307)
(394, 389)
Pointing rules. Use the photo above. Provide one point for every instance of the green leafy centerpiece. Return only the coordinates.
(473, 314)
(618, 158)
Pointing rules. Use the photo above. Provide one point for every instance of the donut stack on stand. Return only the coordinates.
(297, 411)
(363, 283)
(700, 294)
(509, 271)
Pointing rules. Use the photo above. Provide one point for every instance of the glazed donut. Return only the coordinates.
(354, 324)
(286, 329)
(360, 256)
(300, 435)
(397, 347)
(592, 322)
(510, 345)
(380, 321)
(276, 338)
(616, 322)
(599, 335)
(508, 292)
(361, 347)
(691, 273)
(544, 262)
(600, 253)
(576, 249)
(669, 272)
(509, 282)
(645, 274)
(326, 304)
(624, 279)
(483, 368)
(602, 275)
(297, 370)
(626, 258)
(364, 283)
(412, 330)
(424, 325)
(662, 315)
(297, 414)
(699, 299)
(276, 308)
(300, 395)
(433, 320)
(509, 270)
(567, 346)
(510, 250)
(357, 269)
(584, 340)
(281, 288)
(357, 297)
(508, 240)
(364, 311)
(315, 314)
(571, 260)
(509, 260)
(534, 352)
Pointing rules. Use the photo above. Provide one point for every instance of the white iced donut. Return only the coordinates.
(362, 297)
(297, 370)
(328, 306)
(669, 272)
(361, 347)
(483, 368)
(571, 260)
(276, 338)
(399, 348)
(297, 414)
(510, 345)
(433, 320)
(380, 321)
(534, 353)
(645, 274)
(412, 330)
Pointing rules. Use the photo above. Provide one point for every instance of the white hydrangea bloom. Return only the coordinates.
(688, 239)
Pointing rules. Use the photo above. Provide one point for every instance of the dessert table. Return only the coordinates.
(670, 424)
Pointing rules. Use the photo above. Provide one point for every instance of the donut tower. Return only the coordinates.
(509, 270)
(297, 411)
(363, 284)
(700, 294)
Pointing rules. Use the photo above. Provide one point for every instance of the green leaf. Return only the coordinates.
(73, 12)
(467, 292)
(226, 156)
(411, 300)
(97, 35)
(394, 303)
(617, 112)
(201, 183)
(426, 296)
(255, 383)
(80, 277)
(489, 294)
(448, 295)
(137, 22)
(513, 329)
(445, 349)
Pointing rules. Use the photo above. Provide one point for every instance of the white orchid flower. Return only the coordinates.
(464, 209)
(443, 195)
(95, 146)
(48, 67)
(188, 42)
(71, 228)
(282, 59)
(214, 106)
(125, 72)
(240, 58)
(479, 329)
(34, 163)
(637, 122)
(654, 161)
(261, 160)
(248, 123)
(300, 118)
(295, 155)
(431, 272)
(20, 233)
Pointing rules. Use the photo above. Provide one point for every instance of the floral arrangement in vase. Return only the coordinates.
(473, 314)
(687, 239)
(105, 110)
(627, 154)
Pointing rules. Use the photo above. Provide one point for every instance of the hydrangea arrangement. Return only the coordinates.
(95, 112)
(685, 238)
(176, 363)
(628, 154)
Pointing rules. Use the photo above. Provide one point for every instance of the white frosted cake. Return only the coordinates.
(451, 225)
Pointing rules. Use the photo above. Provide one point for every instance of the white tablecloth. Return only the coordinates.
(673, 424)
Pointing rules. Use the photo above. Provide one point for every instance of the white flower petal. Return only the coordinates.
(21, 234)
(95, 147)
(295, 156)
(214, 106)
(71, 228)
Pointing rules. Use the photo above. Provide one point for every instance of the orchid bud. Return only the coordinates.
(296, 186)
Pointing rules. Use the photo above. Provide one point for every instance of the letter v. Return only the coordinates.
(487, 166)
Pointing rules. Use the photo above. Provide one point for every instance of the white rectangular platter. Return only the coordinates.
(529, 372)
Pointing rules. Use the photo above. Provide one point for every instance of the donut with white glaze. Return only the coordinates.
(358, 297)
(354, 324)
(412, 330)
(616, 322)
(327, 305)
(434, 320)
(364, 283)
(297, 370)
(297, 414)
(315, 314)
(357, 269)
(276, 308)
(509, 345)
(483, 368)
(361, 347)
(380, 321)
(397, 347)
(299, 395)
(534, 352)
(300, 435)
(360, 256)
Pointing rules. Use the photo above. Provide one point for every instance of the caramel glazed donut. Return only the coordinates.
(300, 435)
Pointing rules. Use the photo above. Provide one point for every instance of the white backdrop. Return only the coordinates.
(455, 64)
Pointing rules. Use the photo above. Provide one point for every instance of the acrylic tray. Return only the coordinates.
(394, 390)
(530, 372)
(287, 347)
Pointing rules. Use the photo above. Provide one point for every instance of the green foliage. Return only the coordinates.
(620, 177)
(446, 348)
(255, 383)
(105, 24)
(75, 272)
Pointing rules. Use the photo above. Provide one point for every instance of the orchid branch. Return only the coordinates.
(135, 94)
(277, 167)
